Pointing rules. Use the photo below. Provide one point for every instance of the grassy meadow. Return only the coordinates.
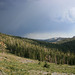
(14, 65)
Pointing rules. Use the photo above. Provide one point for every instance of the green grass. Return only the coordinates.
(12, 65)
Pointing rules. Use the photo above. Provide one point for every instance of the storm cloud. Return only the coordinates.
(38, 18)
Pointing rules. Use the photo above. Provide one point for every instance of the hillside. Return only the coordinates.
(39, 50)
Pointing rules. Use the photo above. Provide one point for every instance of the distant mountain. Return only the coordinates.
(59, 40)
(54, 39)
(66, 40)
(73, 36)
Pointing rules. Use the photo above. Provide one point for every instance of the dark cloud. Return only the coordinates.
(20, 17)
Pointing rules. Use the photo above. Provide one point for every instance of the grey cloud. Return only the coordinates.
(20, 17)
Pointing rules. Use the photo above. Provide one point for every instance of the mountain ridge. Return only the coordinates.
(57, 39)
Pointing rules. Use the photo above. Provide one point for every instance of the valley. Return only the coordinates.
(22, 56)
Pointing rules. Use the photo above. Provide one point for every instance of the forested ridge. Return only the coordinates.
(59, 53)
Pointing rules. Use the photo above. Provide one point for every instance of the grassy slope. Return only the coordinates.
(14, 65)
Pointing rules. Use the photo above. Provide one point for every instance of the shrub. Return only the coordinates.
(46, 65)
(39, 63)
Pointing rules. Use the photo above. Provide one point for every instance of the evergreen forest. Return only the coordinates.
(62, 52)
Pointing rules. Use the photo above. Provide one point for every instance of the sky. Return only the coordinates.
(38, 19)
